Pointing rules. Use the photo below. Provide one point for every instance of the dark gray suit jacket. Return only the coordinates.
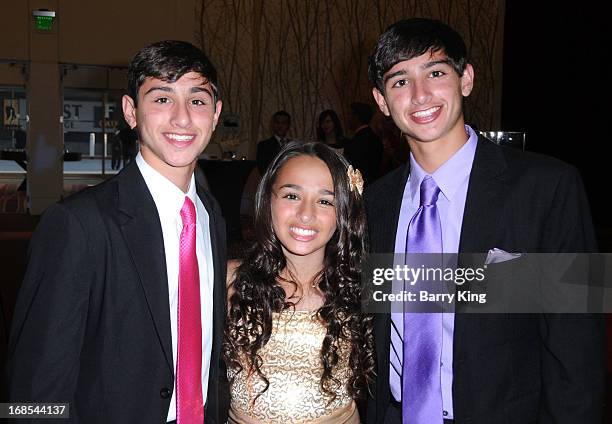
(92, 320)
(508, 368)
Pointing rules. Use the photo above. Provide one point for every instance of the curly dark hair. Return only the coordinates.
(258, 294)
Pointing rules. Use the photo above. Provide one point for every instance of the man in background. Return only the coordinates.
(365, 150)
(267, 149)
(129, 144)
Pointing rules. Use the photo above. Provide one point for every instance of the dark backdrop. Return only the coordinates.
(556, 87)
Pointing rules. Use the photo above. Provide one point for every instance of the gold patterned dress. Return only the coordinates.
(292, 365)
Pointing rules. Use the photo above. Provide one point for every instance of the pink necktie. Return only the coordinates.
(189, 402)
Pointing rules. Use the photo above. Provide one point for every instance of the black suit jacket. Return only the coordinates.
(266, 151)
(92, 321)
(364, 151)
(508, 368)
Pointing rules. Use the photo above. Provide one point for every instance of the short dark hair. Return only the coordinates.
(337, 125)
(282, 113)
(168, 61)
(362, 111)
(410, 38)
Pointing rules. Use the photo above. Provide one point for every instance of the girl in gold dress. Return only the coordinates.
(297, 346)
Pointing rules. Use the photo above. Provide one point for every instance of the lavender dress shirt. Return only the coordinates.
(452, 178)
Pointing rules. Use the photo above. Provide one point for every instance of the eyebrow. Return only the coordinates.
(393, 75)
(200, 89)
(426, 65)
(297, 187)
(170, 89)
(446, 61)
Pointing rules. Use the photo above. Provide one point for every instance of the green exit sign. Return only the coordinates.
(43, 19)
(44, 23)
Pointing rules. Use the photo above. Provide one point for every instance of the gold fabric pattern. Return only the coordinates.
(292, 365)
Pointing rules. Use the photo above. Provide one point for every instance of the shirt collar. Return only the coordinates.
(452, 174)
(168, 198)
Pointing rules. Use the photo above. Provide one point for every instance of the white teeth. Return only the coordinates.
(179, 137)
(302, 231)
(425, 113)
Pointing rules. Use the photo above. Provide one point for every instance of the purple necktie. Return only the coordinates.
(422, 344)
(189, 403)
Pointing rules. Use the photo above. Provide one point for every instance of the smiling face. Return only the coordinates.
(424, 97)
(175, 121)
(303, 211)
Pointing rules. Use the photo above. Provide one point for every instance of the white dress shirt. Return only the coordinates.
(169, 200)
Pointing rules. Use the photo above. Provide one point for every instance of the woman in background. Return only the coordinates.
(329, 130)
(297, 346)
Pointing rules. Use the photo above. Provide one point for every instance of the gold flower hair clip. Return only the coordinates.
(355, 179)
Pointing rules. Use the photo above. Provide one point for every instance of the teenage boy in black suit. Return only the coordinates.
(97, 322)
(497, 368)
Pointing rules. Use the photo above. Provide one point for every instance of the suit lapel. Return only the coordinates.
(383, 218)
(141, 228)
(216, 227)
(485, 199)
(483, 213)
(217, 244)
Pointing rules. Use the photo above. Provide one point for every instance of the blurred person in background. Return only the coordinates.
(329, 130)
(267, 149)
(364, 150)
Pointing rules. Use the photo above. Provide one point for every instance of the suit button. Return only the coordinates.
(165, 393)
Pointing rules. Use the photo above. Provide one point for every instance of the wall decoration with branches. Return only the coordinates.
(307, 56)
